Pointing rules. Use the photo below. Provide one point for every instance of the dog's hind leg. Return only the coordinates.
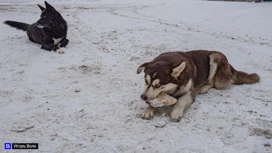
(213, 67)
(182, 103)
(48, 47)
(148, 113)
(223, 75)
(32, 40)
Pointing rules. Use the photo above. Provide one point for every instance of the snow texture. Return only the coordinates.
(88, 99)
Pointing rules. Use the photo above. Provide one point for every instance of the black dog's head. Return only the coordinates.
(48, 16)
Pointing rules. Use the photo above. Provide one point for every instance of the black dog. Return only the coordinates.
(50, 30)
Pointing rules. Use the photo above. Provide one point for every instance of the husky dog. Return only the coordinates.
(50, 30)
(186, 74)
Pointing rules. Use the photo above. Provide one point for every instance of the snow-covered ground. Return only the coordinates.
(88, 99)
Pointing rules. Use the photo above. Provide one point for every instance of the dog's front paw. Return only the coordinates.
(60, 51)
(64, 43)
(148, 113)
(176, 115)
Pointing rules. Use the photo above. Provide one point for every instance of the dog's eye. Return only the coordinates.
(157, 85)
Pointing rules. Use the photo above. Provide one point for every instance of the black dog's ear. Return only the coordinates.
(141, 68)
(42, 8)
(48, 6)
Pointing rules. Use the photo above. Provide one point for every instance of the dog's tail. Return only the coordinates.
(18, 25)
(240, 77)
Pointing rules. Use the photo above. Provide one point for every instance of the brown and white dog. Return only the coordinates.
(186, 74)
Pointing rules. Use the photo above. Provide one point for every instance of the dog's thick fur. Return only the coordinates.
(50, 30)
(186, 74)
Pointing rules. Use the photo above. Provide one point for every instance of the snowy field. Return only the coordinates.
(88, 99)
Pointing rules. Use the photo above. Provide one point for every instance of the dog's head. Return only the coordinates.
(160, 76)
(48, 16)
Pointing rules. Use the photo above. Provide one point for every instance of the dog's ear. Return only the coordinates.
(177, 70)
(42, 8)
(48, 6)
(141, 68)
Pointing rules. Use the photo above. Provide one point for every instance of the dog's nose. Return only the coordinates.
(144, 97)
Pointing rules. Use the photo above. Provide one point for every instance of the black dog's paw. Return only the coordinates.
(47, 47)
(64, 43)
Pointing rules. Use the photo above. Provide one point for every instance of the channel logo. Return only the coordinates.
(9, 146)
